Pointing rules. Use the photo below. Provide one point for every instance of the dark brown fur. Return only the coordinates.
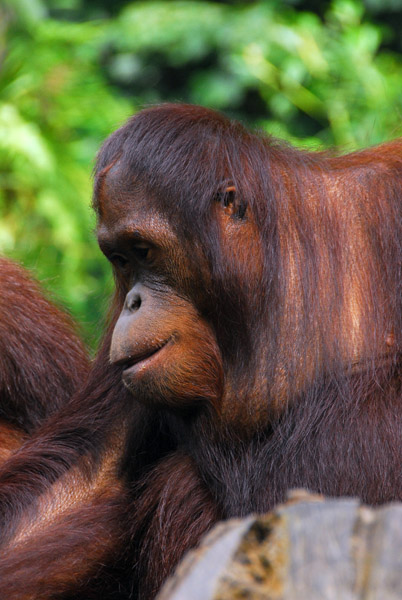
(303, 298)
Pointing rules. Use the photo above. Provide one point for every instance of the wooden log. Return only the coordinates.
(309, 548)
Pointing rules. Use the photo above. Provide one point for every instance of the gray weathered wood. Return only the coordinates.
(310, 549)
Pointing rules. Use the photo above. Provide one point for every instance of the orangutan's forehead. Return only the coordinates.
(119, 180)
(125, 207)
(117, 189)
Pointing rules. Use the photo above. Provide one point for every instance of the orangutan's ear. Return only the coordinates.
(230, 202)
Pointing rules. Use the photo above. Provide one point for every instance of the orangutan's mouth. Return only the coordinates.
(140, 362)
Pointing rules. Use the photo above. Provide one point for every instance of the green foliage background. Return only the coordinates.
(316, 73)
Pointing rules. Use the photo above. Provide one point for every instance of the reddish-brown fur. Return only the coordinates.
(42, 360)
(277, 281)
(11, 438)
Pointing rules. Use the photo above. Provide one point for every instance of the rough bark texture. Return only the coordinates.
(312, 549)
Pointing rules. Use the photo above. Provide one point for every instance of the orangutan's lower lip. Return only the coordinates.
(140, 362)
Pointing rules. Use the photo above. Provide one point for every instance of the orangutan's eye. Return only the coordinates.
(141, 251)
(119, 261)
